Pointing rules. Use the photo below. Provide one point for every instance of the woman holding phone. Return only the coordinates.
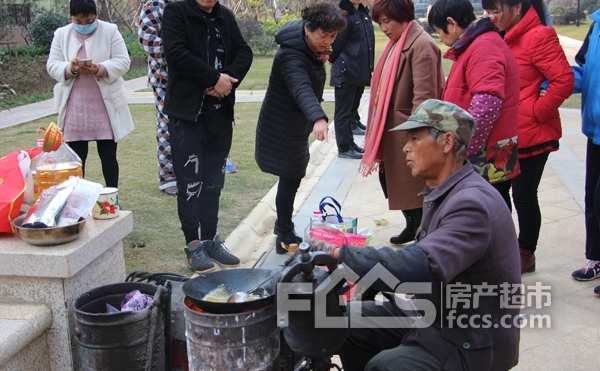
(88, 58)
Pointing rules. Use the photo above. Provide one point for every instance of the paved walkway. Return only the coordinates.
(33, 111)
(570, 343)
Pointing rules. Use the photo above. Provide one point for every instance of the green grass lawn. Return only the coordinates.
(572, 31)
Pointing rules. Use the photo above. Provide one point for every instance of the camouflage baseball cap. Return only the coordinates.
(445, 117)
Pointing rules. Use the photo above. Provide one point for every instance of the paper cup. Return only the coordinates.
(107, 206)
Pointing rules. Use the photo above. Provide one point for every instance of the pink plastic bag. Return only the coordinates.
(135, 301)
(336, 237)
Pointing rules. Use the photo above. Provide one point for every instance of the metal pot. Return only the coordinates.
(242, 279)
(48, 236)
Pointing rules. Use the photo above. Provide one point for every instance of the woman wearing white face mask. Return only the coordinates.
(88, 58)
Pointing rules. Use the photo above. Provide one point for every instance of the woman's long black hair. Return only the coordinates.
(538, 5)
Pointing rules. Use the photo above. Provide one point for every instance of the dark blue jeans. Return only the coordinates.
(592, 201)
(525, 197)
(199, 150)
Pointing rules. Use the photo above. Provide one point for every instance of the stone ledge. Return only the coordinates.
(18, 258)
(20, 324)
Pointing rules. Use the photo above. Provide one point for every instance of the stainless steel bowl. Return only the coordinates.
(48, 236)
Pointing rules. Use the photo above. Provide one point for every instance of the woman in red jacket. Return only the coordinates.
(540, 57)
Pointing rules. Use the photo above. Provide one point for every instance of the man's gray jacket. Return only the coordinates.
(467, 237)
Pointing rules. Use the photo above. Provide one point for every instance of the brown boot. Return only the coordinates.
(527, 261)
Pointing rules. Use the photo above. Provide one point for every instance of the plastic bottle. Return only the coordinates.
(315, 219)
(34, 162)
(55, 167)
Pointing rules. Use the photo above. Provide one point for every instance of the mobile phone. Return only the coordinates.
(85, 62)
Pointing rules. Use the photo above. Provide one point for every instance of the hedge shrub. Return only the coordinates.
(133, 45)
(253, 33)
(41, 31)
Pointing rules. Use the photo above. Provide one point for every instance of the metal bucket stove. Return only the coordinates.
(238, 341)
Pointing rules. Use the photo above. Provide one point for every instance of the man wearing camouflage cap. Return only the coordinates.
(466, 239)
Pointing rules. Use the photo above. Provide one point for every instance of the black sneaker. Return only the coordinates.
(217, 252)
(197, 258)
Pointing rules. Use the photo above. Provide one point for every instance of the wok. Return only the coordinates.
(242, 279)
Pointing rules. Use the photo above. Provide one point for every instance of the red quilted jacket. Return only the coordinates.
(540, 57)
(486, 66)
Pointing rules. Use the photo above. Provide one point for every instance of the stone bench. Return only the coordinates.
(23, 343)
(56, 275)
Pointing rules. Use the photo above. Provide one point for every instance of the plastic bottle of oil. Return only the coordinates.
(33, 167)
(55, 167)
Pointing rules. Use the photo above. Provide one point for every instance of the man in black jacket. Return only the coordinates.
(353, 60)
(207, 58)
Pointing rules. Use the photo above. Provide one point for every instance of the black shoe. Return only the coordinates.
(358, 149)
(351, 153)
(597, 290)
(217, 252)
(358, 124)
(358, 131)
(284, 240)
(407, 235)
(197, 258)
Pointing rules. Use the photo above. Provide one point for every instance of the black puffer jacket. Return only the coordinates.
(185, 40)
(291, 105)
(353, 53)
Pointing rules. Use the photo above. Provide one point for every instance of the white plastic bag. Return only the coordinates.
(24, 165)
(80, 202)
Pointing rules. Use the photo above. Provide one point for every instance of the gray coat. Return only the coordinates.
(467, 236)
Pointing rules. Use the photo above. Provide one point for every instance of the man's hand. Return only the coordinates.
(321, 129)
(212, 93)
(224, 85)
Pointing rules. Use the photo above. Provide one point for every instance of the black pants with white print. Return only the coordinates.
(199, 149)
